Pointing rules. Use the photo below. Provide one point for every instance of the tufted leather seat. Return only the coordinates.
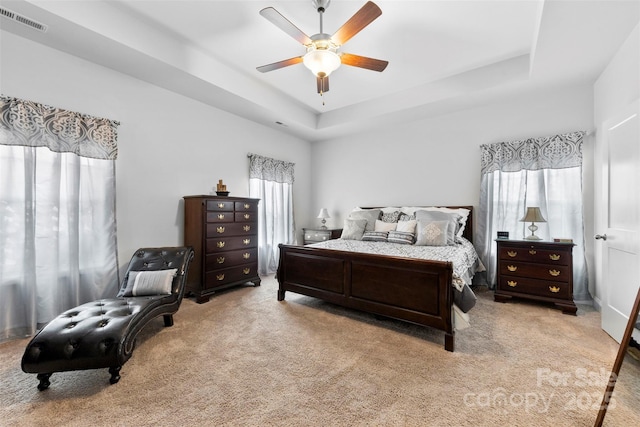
(102, 333)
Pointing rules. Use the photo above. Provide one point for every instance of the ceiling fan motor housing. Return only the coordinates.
(321, 5)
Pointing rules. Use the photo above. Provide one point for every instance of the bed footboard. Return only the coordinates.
(412, 290)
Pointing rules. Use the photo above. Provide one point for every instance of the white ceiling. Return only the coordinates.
(443, 54)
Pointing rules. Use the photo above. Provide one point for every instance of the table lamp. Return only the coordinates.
(533, 215)
(323, 215)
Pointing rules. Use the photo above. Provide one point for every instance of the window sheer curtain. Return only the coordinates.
(271, 181)
(57, 213)
(544, 172)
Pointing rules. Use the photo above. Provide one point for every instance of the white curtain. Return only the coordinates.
(544, 172)
(271, 181)
(57, 213)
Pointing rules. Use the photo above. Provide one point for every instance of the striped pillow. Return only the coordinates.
(375, 236)
(402, 237)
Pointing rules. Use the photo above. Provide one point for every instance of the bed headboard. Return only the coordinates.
(468, 228)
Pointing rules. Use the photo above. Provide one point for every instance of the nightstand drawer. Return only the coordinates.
(561, 257)
(317, 235)
(535, 271)
(543, 288)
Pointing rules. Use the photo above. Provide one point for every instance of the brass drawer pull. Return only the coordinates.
(220, 244)
(247, 216)
(512, 267)
(246, 270)
(554, 289)
(246, 241)
(220, 230)
(512, 283)
(220, 276)
(512, 254)
(247, 205)
(220, 216)
(554, 273)
(554, 257)
(220, 205)
(246, 227)
(246, 255)
(532, 251)
(220, 260)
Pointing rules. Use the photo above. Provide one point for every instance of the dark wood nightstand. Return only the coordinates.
(315, 235)
(537, 270)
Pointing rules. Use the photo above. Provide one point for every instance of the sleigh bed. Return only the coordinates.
(387, 283)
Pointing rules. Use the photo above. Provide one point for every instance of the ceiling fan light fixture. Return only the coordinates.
(321, 61)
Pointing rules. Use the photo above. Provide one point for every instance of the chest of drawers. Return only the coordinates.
(536, 270)
(223, 232)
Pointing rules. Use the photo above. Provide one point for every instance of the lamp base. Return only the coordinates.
(533, 237)
(323, 226)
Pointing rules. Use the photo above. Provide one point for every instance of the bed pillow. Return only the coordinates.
(390, 216)
(401, 237)
(428, 216)
(353, 229)
(463, 212)
(157, 282)
(432, 233)
(407, 226)
(375, 236)
(371, 215)
(384, 226)
(406, 217)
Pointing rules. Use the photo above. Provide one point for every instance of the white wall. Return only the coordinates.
(169, 145)
(616, 88)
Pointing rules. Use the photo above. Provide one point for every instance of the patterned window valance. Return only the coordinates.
(270, 169)
(30, 124)
(552, 152)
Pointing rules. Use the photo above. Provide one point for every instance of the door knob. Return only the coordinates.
(600, 237)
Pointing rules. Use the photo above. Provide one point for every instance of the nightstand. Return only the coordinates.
(315, 235)
(536, 270)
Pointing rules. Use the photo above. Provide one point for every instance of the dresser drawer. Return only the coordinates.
(560, 257)
(219, 261)
(251, 206)
(231, 243)
(543, 288)
(562, 273)
(246, 216)
(220, 205)
(218, 278)
(230, 229)
(220, 216)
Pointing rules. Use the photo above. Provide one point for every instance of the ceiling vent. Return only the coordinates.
(22, 19)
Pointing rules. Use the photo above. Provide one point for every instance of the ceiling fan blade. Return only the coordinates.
(323, 84)
(363, 62)
(366, 15)
(279, 64)
(285, 25)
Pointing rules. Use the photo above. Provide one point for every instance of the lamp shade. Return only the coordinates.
(533, 215)
(323, 213)
(321, 61)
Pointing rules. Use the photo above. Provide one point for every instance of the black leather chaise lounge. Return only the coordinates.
(102, 333)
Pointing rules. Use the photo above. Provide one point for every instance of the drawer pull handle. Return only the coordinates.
(220, 230)
(554, 289)
(220, 260)
(512, 283)
(554, 273)
(246, 227)
(247, 216)
(246, 241)
(246, 270)
(246, 255)
(220, 216)
(512, 267)
(247, 205)
(220, 205)
(554, 257)
(532, 251)
(220, 244)
(512, 254)
(220, 276)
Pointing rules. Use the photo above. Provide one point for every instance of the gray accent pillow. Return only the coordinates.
(402, 237)
(432, 233)
(390, 216)
(427, 216)
(371, 215)
(157, 282)
(353, 229)
(375, 236)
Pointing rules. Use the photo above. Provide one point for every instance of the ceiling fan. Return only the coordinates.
(322, 55)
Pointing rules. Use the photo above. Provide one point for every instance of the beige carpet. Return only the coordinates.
(246, 359)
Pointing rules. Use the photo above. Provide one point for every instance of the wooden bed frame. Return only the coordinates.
(412, 290)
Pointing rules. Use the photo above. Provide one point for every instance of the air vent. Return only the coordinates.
(22, 20)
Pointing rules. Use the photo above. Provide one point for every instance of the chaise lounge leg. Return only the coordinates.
(44, 381)
(115, 374)
(168, 320)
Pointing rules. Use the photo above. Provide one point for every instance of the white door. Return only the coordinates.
(621, 218)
